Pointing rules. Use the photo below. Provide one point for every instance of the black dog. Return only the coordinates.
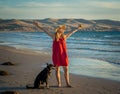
(42, 77)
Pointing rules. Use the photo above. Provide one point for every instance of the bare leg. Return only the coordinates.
(66, 74)
(58, 76)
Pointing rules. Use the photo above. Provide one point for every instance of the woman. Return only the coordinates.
(59, 51)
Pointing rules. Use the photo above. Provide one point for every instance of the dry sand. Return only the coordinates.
(28, 64)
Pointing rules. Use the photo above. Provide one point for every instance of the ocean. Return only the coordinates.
(94, 54)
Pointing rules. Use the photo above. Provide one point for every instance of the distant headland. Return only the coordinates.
(24, 25)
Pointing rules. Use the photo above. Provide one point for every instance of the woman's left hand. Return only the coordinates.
(79, 26)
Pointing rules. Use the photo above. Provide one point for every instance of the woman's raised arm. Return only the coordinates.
(48, 33)
(72, 32)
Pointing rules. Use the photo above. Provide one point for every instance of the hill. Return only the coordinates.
(51, 24)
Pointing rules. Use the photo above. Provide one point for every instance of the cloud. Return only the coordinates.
(104, 4)
(39, 4)
(79, 9)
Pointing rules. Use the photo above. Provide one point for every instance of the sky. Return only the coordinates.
(59, 9)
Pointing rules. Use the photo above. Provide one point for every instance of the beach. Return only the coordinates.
(28, 64)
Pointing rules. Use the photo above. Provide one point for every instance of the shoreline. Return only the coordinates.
(33, 52)
(29, 64)
(26, 51)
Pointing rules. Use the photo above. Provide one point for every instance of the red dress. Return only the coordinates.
(59, 56)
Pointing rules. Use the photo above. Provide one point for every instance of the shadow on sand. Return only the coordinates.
(12, 88)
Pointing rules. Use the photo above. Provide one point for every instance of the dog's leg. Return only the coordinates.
(36, 84)
(47, 86)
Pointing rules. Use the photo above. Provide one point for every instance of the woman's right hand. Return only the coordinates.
(37, 24)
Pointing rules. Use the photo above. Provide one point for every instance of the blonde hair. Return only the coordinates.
(58, 35)
(59, 27)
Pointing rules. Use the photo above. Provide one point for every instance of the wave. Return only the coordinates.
(90, 61)
(1, 41)
(95, 68)
(95, 49)
(111, 36)
(95, 41)
(116, 63)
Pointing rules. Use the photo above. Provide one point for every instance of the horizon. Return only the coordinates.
(60, 9)
(56, 18)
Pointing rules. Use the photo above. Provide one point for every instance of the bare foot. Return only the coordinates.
(69, 86)
(59, 85)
